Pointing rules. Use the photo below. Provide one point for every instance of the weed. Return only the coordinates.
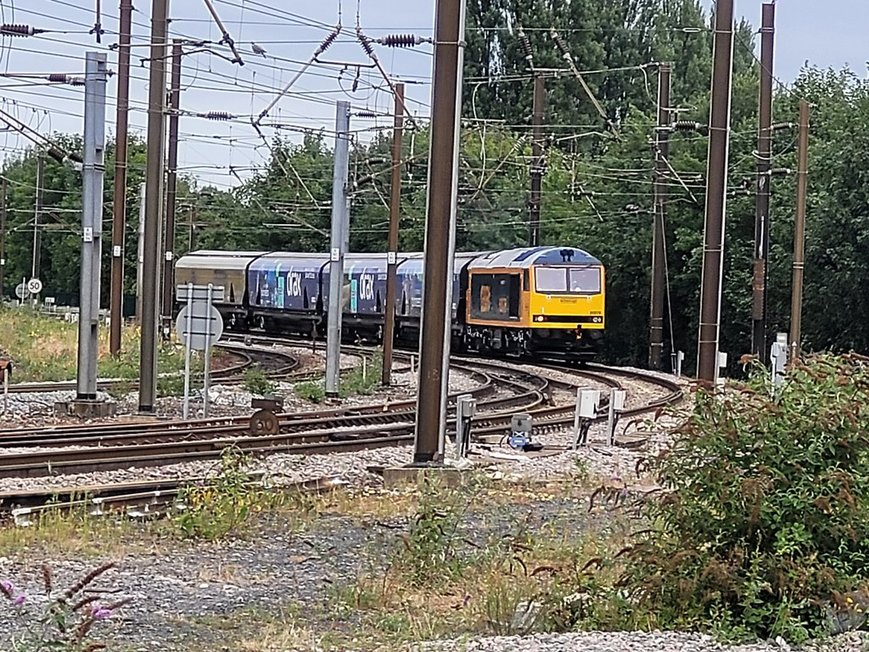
(170, 386)
(429, 553)
(363, 379)
(67, 620)
(311, 390)
(219, 507)
(256, 381)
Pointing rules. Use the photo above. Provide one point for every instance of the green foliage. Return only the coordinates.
(256, 381)
(65, 621)
(169, 386)
(363, 379)
(765, 514)
(311, 390)
(429, 554)
(223, 505)
(45, 348)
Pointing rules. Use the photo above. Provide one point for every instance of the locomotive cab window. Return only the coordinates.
(495, 296)
(567, 280)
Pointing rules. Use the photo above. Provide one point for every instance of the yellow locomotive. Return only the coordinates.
(535, 299)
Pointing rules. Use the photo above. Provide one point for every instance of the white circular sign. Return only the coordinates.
(34, 286)
(201, 323)
(21, 290)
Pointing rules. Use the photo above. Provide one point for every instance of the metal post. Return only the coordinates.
(336, 266)
(92, 223)
(716, 193)
(140, 253)
(761, 213)
(5, 389)
(153, 206)
(392, 245)
(188, 348)
(171, 184)
(206, 382)
(659, 251)
(37, 212)
(434, 350)
(2, 237)
(119, 206)
(537, 155)
(800, 230)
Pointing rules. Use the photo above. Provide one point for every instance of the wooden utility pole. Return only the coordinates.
(537, 155)
(716, 194)
(119, 205)
(153, 206)
(171, 185)
(659, 250)
(800, 230)
(392, 245)
(440, 231)
(761, 213)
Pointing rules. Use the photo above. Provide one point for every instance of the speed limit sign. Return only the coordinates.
(34, 286)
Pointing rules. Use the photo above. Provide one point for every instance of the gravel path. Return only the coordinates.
(628, 642)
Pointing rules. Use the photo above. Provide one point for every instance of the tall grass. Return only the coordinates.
(44, 348)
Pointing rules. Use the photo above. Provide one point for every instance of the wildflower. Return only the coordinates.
(99, 612)
(7, 588)
(19, 600)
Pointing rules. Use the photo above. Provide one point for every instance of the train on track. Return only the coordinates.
(518, 301)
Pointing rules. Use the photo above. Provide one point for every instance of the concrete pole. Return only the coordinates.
(119, 206)
(659, 251)
(2, 236)
(171, 184)
(761, 212)
(440, 233)
(37, 213)
(800, 231)
(716, 194)
(338, 244)
(140, 253)
(392, 246)
(153, 206)
(93, 171)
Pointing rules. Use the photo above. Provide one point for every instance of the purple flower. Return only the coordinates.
(98, 612)
(19, 600)
(7, 588)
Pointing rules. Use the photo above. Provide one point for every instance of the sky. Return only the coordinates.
(826, 33)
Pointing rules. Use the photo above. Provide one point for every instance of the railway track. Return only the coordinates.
(274, 363)
(146, 499)
(80, 449)
(501, 390)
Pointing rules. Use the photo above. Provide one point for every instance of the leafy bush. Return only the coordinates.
(65, 621)
(763, 525)
(256, 381)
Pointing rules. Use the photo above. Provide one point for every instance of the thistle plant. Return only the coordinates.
(64, 621)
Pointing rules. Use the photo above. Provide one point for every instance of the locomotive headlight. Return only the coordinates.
(538, 317)
(597, 320)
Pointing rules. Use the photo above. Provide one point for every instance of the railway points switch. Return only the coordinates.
(466, 407)
(616, 406)
(587, 405)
